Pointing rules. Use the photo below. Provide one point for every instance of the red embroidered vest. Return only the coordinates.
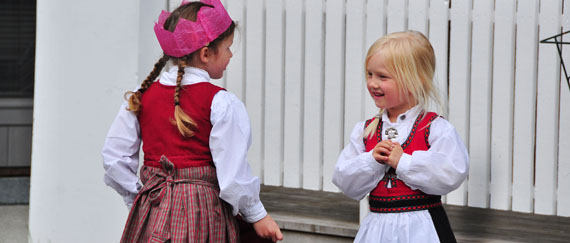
(392, 194)
(161, 137)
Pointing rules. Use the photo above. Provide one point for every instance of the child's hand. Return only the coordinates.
(388, 152)
(267, 228)
(382, 150)
(395, 155)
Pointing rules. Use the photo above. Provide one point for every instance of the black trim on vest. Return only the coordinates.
(413, 131)
(428, 130)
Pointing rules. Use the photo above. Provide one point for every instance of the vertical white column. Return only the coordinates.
(235, 72)
(397, 15)
(418, 15)
(460, 81)
(84, 64)
(313, 125)
(254, 59)
(547, 106)
(438, 36)
(525, 106)
(334, 89)
(293, 93)
(375, 28)
(563, 201)
(274, 94)
(502, 107)
(480, 117)
(354, 83)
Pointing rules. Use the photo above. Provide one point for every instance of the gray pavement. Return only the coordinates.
(13, 223)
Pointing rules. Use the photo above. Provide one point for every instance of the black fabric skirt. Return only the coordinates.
(441, 224)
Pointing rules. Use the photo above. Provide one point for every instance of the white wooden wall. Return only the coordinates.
(298, 67)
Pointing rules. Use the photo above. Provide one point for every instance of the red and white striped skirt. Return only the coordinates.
(180, 205)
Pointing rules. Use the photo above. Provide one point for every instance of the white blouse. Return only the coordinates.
(230, 139)
(437, 171)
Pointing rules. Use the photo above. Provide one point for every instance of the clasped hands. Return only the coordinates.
(388, 152)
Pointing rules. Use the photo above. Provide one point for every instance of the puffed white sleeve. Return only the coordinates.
(121, 155)
(230, 139)
(357, 172)
(442, 168)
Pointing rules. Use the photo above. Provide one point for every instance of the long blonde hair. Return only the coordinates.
(410, 59)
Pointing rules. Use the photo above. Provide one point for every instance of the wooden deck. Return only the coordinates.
(469, 224)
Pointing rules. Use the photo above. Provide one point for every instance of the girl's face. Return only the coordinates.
(383, 87)
(220, 59)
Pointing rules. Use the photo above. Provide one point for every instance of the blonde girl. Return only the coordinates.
(405, 157)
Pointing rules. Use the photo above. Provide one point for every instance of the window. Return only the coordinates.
(17, 48)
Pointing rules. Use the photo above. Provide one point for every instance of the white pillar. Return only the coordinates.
(87, 55)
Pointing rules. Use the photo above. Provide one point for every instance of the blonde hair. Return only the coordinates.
(410, 59)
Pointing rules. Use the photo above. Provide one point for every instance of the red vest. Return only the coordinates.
(392, 194)
(161, 137)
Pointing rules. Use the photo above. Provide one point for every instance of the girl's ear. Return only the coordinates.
(204, 54)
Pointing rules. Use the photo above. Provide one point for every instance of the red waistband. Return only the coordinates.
(406, 203)
(178, 161)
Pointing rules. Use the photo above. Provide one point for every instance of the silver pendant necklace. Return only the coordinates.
(391, 134)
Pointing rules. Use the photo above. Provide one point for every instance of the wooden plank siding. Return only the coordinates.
(298, 66)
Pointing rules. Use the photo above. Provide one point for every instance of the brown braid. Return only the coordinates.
(183, 122)
(134, 98)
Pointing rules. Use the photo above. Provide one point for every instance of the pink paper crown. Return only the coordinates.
(189, 36)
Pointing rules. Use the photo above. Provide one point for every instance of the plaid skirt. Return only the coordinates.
(180, 205)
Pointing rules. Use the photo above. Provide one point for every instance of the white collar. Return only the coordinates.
(410, 114)
(192, 75)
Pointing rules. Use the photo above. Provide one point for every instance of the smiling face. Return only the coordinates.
(383, 87)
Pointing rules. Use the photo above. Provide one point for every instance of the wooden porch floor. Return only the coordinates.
(469, 224)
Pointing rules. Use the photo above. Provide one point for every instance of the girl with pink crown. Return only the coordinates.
(405, 157)
(195, 137)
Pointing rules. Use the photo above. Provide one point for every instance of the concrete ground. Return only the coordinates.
(14, 223)
(303, 219)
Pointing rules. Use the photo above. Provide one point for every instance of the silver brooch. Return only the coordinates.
(391, 133)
